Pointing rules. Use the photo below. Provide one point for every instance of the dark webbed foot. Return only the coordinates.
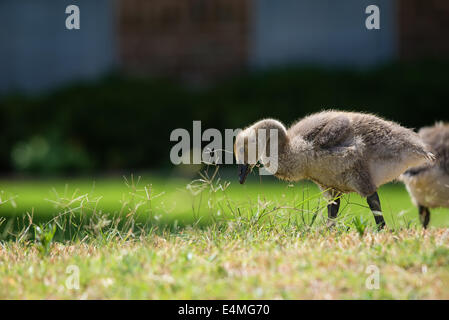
(332, 211)
(374, 205)
(424, 215)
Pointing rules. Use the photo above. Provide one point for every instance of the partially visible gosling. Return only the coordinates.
(428, 185)
(341, 152)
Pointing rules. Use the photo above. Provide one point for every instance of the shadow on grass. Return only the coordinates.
(77, 228)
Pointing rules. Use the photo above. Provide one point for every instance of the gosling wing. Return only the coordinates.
(333, 133)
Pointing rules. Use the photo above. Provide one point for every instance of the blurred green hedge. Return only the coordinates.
(122, 123)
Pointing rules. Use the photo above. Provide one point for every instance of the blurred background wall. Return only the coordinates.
(423, 29)
(38, 52)
(107, 96)
(321, 32)
(201, 40)
(192, 39)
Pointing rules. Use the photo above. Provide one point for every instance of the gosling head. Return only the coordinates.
(253, 145)
(244, 154)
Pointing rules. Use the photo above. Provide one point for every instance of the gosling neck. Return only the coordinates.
(293, 159)
(282, 144)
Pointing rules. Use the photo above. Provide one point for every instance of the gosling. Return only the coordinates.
(341, 152)
(428, 185)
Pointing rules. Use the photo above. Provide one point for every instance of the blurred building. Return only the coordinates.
(200, 40)
(189, 38)
(37, 52)
(423, 29)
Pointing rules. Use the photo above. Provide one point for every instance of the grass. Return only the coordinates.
(170, 238)
(255, 264)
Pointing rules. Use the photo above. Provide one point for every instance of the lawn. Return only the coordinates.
(172, 201)
(162, 238)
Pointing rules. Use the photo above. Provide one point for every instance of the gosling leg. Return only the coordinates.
(374, 205)
(424, 215)
(332, 211)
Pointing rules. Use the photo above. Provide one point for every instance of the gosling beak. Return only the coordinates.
(244, 169)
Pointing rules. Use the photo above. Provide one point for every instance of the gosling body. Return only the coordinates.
(344, 152)
(428, 185)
